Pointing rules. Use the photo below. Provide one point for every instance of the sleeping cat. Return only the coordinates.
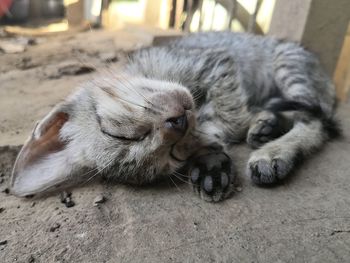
(177, 108)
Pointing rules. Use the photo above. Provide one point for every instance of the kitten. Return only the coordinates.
(180, 106)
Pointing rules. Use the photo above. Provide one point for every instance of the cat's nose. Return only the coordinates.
(179, 124)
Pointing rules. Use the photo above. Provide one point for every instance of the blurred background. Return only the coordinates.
(189, 15)
(47, 47)
(320, 25)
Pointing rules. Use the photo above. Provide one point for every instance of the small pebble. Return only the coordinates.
(3, 242)
(2, 209)
(66, 198)
(64, 195)
(69, 202)
(99, 200)
(6, 191)
(55, 227)
(32, 204)
(31, 259)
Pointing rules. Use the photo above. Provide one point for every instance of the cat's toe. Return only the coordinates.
(212, 176)
(265, 171)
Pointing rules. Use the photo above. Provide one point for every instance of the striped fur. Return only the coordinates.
(231, 87)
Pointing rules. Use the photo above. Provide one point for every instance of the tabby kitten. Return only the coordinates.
(180, 106)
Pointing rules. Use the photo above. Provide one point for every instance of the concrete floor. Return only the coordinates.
(306, 219)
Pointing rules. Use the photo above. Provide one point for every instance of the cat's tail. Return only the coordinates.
(330, 124)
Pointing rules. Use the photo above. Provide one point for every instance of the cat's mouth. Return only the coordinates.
(175, 155)
(182, 150)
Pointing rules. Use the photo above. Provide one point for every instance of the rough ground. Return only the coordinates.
(306, 219)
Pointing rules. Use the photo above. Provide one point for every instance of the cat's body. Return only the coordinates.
(183, 104)
(246, 71)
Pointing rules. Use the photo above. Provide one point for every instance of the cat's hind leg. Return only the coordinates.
(276, 159)
(308, 94)
(266, 126)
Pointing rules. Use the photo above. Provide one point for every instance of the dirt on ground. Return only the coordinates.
(304, 219)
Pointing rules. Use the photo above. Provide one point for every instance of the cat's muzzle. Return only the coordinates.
(175, 128)
(179, 135)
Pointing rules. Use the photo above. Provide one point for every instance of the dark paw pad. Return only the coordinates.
(212, 176)
(268, 172)
(264, 131)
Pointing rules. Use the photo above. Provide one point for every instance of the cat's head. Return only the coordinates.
(131, 128)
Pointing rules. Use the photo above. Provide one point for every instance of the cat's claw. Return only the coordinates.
(211, 176)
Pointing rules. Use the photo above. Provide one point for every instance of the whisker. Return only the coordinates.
(106, 70)
(178, 176)
(131, 102)
(130, 86)
(175, 185)
(122, 80)
(98, 172)
(121, 99)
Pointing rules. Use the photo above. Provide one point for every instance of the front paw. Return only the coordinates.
(211, 176)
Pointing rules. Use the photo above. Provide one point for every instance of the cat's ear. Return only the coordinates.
(43, 161)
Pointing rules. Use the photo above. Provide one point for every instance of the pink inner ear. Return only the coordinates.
(48, 142)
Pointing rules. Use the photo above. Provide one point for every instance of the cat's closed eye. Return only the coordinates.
(125, 137)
